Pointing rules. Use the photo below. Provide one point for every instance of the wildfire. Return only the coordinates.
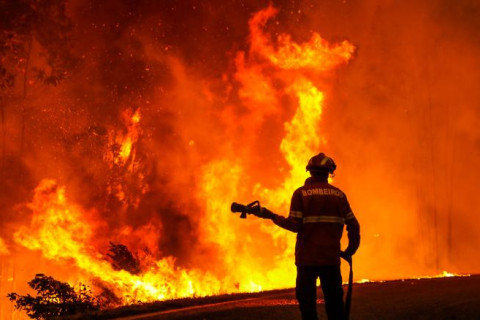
(444, 274)
(63, 230)
(290, 61)
(128, 128)
(122, 145)
(316, 54)
(287, 60)
(121, 155)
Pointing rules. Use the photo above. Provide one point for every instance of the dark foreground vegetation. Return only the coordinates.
(54, 299)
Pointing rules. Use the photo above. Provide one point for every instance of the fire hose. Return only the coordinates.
(348, 297)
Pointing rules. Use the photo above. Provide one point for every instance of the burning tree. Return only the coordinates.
(122, 259)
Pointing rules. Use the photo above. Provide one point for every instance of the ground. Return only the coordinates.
(441, 298)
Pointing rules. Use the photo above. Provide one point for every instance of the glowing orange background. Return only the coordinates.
(174, 111)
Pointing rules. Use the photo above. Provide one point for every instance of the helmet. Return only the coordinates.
(321, 162)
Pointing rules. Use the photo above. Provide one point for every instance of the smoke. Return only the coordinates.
(396, 119)
(400, 121)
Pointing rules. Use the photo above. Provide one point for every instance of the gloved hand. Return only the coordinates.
(346, 256)
(264, 213)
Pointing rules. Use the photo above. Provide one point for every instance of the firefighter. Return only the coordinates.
(318, 212)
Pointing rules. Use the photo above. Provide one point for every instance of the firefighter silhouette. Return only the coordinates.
(318, 213)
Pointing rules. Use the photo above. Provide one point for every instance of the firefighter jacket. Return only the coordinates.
(318, 213)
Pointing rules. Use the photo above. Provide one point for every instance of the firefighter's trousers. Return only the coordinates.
(331, 283)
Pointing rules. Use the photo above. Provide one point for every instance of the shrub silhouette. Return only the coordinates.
(54, 299)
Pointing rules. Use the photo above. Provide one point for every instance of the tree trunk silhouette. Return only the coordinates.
(3, 133)
(24, 94)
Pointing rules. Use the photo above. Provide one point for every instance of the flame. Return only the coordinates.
(288, 60)
(270, 117)
(316, 54)
(363, 281)
(250, 257)
(445, 274)
(122, 145)
(146, 142)
(121, 156)
(62, 230)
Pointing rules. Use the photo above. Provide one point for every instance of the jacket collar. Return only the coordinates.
(312, 180)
